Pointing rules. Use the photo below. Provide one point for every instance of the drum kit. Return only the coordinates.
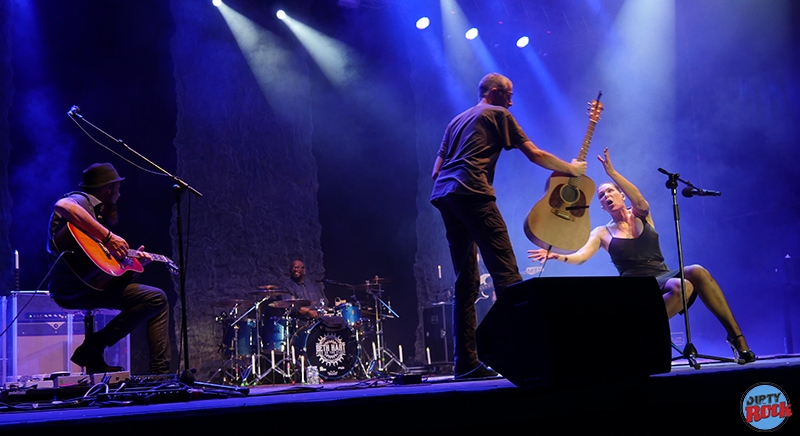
(259, 346)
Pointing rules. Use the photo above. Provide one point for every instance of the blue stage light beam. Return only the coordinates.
(338, 61)
(470, 58)
(272, 64)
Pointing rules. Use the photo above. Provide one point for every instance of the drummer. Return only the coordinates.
(298, 288)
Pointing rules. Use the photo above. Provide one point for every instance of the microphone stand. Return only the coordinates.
(187, 376)
(689, 351)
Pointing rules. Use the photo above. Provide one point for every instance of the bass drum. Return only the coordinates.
(331, 347)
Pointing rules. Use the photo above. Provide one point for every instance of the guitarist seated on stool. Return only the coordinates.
(91, 210)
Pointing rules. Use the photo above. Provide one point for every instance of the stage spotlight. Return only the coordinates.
(523, 42)
(280, 14)
(423, 23)
(216, 3)
(471, 34)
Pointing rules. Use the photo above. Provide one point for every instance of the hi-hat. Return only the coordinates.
(285, 304)
(269, 287)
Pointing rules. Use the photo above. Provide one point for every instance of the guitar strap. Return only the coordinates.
(91, 209)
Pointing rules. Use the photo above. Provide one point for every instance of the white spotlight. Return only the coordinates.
(423, 23)
(280, 14)
(216, 3)
(522, 42)
(471, 34)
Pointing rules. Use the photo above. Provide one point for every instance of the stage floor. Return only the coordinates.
(706, 398)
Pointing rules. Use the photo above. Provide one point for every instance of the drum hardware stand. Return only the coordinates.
(234, 360)
(379, 364)
(689, 351)
(278, 367)
(360, 367)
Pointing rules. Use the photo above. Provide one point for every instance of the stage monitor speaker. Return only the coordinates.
(551, 330)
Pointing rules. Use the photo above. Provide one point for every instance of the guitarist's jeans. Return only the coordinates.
(474, 222)
(137, 304)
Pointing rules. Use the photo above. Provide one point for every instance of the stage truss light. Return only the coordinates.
(216, 3)
(280, 14)
(471, 34)
(523, 42)
(423, 23)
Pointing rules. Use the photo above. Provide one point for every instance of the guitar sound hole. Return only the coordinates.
(569, 194)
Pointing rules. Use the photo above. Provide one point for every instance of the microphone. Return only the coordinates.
(691, 191)
(74, 111)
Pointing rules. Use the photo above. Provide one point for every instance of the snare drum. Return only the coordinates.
(351, 314)
(333, 351)
(239, 338)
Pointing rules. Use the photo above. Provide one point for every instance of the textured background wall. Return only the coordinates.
(252, 161)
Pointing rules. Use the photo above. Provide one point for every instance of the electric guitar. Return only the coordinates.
(559, 222)
(91, 262)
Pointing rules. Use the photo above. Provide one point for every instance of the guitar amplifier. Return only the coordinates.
(438, 329)
(43, 336)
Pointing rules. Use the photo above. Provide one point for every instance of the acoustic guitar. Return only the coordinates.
(559, 222)
(95, 265)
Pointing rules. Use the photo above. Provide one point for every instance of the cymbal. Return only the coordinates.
(367, 287)
(269, 287)
(269, 292)
(370, 313)
(232, 302)
(285, 304)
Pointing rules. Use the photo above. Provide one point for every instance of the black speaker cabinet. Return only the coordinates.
(566, 329)
(438, 325)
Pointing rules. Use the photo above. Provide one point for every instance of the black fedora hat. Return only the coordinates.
(100, 174)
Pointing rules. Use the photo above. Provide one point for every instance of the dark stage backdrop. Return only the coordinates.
(113, 61)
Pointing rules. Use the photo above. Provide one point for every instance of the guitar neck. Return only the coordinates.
(587, 140)
(153, 256)
(595, 108)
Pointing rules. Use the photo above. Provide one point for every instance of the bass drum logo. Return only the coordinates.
(330, 349)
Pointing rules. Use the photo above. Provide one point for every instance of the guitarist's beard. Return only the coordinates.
(110, 214)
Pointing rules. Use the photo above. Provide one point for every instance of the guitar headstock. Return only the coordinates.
(595, 108)
(171, 267)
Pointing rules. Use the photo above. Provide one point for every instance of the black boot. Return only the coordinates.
(91, 358)
(478, 372)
